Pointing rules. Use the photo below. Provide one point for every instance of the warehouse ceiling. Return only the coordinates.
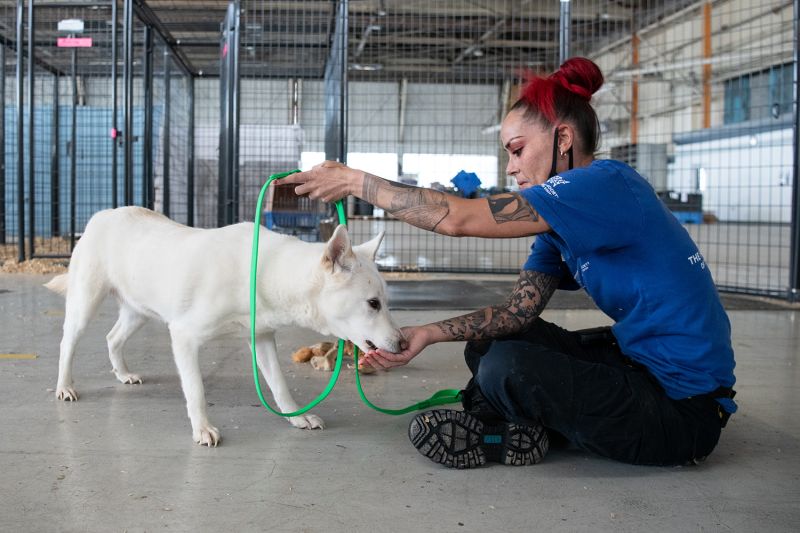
(387, 39)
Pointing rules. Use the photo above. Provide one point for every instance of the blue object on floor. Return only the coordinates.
(689, 217)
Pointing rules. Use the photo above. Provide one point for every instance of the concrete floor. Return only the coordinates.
(122, 458)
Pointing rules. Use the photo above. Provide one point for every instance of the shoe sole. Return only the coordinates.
(457, 439)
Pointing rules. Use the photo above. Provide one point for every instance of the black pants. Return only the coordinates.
(582, 387)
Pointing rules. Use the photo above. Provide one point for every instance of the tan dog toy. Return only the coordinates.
(322, 356)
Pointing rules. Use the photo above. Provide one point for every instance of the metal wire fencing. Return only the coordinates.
(172, 142)
(67, 160)
(54, 145)
(423, 90)
(428, 87)
(700, 97)
(9, 182)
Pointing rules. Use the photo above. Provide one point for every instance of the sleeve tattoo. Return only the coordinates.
(529, 297)
(508, 207)
(424, 208)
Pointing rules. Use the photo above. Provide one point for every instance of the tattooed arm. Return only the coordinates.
(531, 294)
(529, 297)
(423, 208)
(501, 215)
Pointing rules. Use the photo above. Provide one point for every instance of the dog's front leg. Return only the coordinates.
(184, 349)
(267, 358)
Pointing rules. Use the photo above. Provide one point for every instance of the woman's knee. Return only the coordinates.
(508, 376)
(491, 371)
(473, 352)
(507, 361)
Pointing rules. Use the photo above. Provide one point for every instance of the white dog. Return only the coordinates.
(197, 282)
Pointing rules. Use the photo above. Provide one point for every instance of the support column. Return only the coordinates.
(20, 134)
(31, 140)
(165, 138)
(2, 143)
(794, 260)
(73, 153)
(228, 187)
(114, 128)
(707, 65)
(401, 128)
(127, 84)
(505, 101)
(565, 20)
(147, 130)
(335, 87)
(55, 172)
(190, 157)
(635, 91)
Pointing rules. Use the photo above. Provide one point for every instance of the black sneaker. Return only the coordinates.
(458, 439)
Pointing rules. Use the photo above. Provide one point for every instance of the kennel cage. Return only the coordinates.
(412, 91)
(99, 117)
(427, 84)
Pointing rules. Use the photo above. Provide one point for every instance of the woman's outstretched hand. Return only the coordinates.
(329, 181)
(417, 338)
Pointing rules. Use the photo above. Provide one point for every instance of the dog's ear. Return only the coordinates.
(371, 247)
(339, 252)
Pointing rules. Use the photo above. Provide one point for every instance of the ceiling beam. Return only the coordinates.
(146, 15)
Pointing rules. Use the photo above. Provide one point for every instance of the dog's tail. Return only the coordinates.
(58, 284)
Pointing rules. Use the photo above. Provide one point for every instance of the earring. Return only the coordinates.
(562, 155)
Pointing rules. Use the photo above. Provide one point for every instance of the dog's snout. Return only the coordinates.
(371, 345)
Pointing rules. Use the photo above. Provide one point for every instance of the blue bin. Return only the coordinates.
(689, 217)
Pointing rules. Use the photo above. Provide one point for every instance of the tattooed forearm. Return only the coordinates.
(508, 207)
(487, 323)
(423, 208)
(530, 295)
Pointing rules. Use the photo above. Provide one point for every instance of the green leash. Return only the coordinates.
(441, 397)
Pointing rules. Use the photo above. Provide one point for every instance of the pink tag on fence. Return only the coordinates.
(74, 42)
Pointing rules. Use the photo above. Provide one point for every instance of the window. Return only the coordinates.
(737, 100)
(781, 81)
(759, 95)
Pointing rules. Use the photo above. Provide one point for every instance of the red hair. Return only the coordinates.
(564, 96)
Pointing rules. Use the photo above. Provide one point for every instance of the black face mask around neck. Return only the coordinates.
(555, 155)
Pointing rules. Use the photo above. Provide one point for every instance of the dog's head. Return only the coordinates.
(353, 296)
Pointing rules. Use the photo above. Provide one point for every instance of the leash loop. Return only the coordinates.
(439, 398)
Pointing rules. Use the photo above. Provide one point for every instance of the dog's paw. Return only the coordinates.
(67, 394)
(207, 436)
(307, 422)
(128, 378)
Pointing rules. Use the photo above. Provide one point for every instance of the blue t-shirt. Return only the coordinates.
(614, 238)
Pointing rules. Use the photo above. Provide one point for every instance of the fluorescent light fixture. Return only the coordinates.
(366, 66)
(70, 25)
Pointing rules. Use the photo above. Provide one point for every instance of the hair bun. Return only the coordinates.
(580, 76)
